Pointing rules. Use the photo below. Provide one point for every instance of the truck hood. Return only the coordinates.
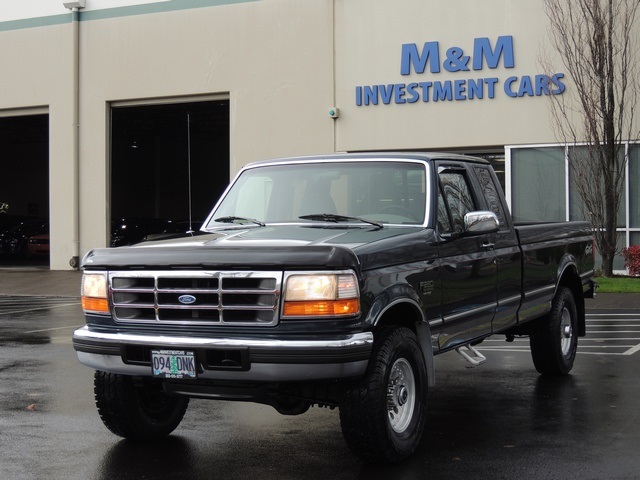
(268, 247)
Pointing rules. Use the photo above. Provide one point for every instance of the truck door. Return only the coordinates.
(507, 250)
(468, 270)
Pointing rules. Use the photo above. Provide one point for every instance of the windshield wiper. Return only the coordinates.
(331, 217)
(231, 219)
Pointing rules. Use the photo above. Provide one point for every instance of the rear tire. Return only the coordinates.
(137, 411)
(383, 415)
(555, 341)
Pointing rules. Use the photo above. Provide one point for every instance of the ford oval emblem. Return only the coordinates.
(187, 299)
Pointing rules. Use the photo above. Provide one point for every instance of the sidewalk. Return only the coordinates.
(66, 283)
(614, 302)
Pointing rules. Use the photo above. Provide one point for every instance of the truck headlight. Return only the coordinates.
(321, 295)
(94, 293)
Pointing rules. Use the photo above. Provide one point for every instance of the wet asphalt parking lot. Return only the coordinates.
(500, 420)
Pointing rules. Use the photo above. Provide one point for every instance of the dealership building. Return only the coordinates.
(144, 109)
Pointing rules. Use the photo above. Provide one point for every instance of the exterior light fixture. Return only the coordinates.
(76, 4)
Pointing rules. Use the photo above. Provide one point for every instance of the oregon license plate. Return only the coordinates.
(173, 364)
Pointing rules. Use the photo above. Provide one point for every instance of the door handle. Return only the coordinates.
(488, 246)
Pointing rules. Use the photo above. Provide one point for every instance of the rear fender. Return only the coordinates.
(567, 265)
(568, 276)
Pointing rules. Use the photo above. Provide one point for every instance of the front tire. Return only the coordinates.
(138, 411)
(555, 341)
(383, 415)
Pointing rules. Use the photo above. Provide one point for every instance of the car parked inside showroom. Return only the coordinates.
(15, 240)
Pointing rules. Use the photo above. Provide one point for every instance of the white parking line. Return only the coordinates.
(602, 340)
(633, 350)
(603, 325)
(589, 320)
(611, 331)
(604, 337)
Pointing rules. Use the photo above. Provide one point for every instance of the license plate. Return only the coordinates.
(173, 364)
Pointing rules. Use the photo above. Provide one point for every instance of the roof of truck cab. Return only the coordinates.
(424, 156)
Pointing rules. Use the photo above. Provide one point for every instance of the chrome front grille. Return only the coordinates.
(196, 297)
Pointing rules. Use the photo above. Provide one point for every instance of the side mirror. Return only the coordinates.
(481, 222)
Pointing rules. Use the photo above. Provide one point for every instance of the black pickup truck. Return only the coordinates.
(330, 281)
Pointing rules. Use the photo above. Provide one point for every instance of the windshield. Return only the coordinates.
(392, 192)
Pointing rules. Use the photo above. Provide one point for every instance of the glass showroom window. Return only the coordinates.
(538, 190)
(634, 194)
(634, 190)
(538, 186)
(631, 185)
(577, 209)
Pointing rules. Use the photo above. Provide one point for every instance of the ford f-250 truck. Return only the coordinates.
(330, 281)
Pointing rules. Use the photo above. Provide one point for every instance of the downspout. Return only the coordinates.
(334, 112)
(75, 134)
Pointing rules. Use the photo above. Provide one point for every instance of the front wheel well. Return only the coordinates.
(408, 314)
(402, 314)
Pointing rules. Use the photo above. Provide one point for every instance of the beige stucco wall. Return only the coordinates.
(273, 60)
(37, 79)
(282, 64)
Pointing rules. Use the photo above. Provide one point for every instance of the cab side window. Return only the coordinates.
(457, 200)
(492, 195)
(444, 222)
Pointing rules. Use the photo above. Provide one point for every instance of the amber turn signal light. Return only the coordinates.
(92, 304)
(322, 308)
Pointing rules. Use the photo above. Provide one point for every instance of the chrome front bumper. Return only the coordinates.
(265, 360)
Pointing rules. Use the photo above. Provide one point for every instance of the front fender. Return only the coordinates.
(403, 300)
(393, 295)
